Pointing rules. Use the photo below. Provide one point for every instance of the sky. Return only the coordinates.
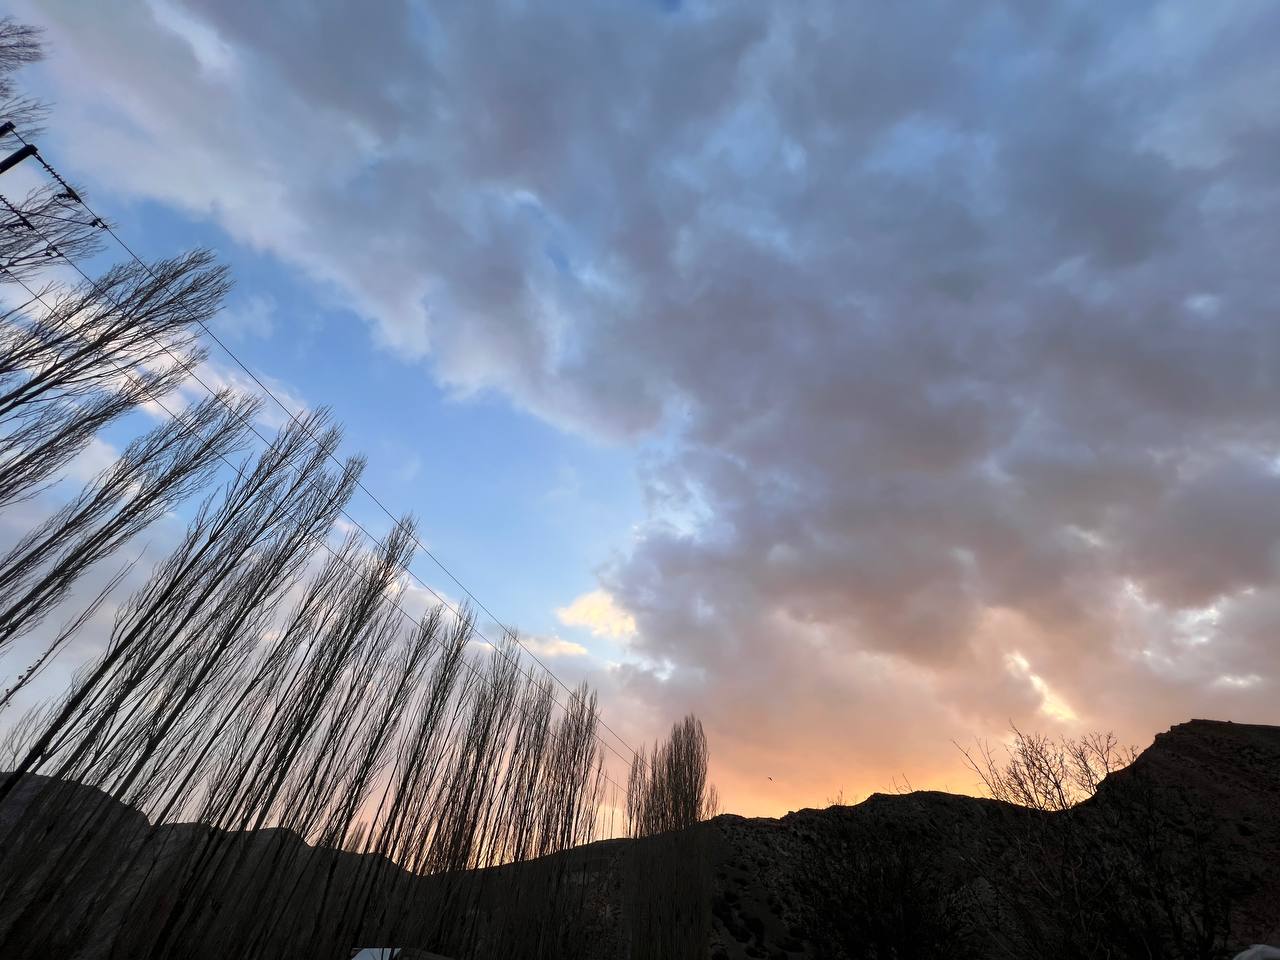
(863, 377)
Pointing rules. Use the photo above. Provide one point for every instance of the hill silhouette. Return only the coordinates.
(1177, 855)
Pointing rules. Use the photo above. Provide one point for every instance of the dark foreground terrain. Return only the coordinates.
(1177, 856)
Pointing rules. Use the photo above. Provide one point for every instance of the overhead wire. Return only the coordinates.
(475, 672)
(72, 195)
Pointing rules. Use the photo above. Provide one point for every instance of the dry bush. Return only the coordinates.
(1047, 774)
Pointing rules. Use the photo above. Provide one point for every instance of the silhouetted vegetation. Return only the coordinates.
(667, 789)
(1083, 882)
(78, 359)
(1042, 773)
(268, 757)
(20, 45)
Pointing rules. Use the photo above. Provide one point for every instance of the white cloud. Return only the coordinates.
(553, 646)
(598, 612)
(1051, 705)
(92, 460)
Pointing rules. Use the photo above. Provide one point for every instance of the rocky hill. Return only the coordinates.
(1177, 856)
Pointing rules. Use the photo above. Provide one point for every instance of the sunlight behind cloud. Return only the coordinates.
(1051, 705)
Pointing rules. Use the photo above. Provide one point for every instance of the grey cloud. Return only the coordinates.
(915, 314)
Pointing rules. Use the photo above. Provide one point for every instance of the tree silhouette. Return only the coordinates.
(667, 790)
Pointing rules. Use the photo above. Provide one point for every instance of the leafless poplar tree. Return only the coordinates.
(19, 46)
(667, 790)
(99, 351)
(268, 758)
(154, 474)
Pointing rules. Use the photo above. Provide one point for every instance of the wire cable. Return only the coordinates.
(71, 194)
(475, 672)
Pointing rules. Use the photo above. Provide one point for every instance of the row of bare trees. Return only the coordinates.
(267, 756)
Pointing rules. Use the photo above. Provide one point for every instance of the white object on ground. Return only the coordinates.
(1259, 951)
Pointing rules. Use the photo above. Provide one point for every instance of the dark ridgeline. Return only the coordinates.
(268, 757)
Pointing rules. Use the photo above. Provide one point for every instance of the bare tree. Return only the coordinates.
(155, 473)
(46, 225)
(99, 351)
(19, 46)
(667, 790)
(268, 758)
(19, 735)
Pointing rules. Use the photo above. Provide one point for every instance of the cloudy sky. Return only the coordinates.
(859, 375)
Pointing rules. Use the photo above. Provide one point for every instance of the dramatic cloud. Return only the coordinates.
(946, 332)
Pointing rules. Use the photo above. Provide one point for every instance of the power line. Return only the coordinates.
(475, 672)
(71, 194)
(270, 445)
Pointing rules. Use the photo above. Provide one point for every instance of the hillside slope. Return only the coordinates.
(1177, 856)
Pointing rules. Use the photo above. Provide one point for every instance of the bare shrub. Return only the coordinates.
(1047, 774)
(1082, 882)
